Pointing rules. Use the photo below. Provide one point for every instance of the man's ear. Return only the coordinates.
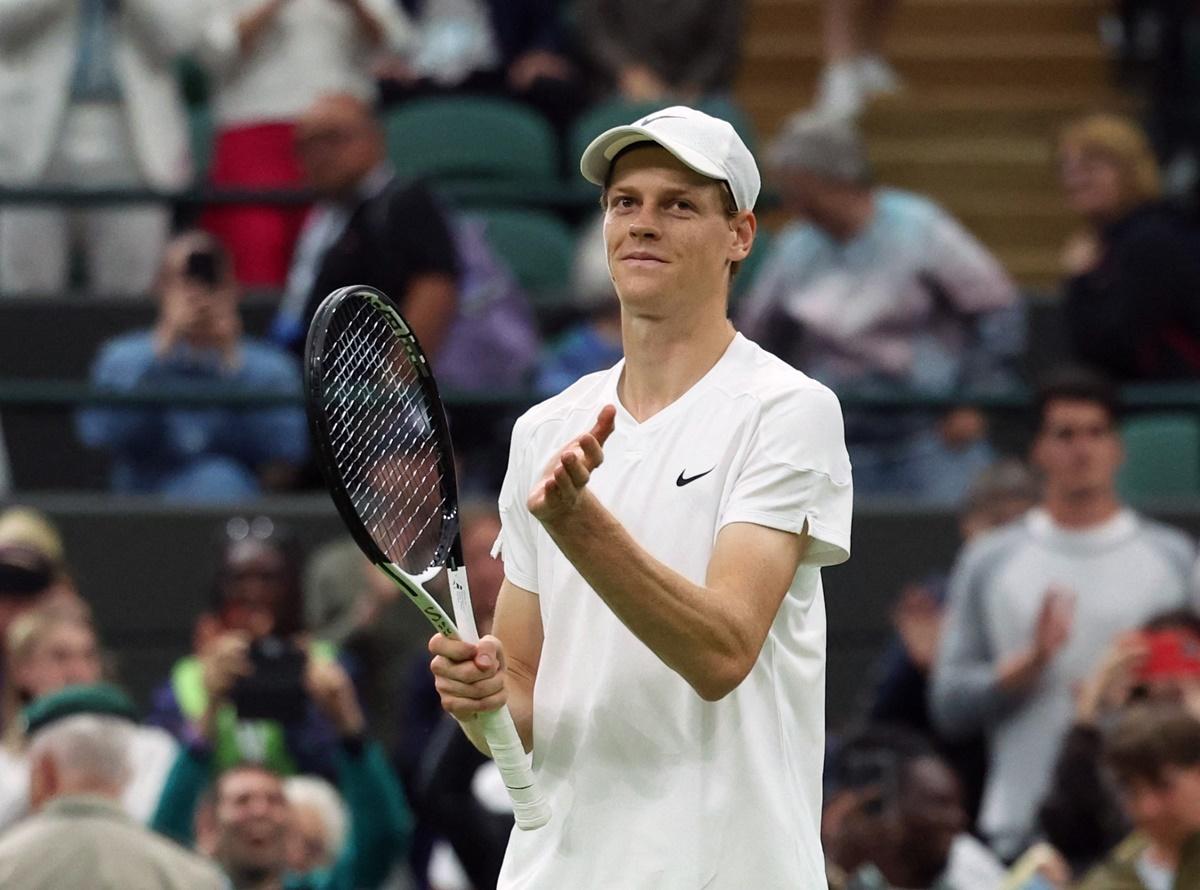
(744, 225)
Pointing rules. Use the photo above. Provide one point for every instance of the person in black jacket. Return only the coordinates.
(370, 227)
(1131, 306)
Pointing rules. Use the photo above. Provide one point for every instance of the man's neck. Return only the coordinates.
(255, 881)
(664, 359)
(1081, 511)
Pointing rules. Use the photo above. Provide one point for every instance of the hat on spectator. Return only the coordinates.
(706, 144)
(102, 699)
(821, 143)
(24, 570)
(25, 525)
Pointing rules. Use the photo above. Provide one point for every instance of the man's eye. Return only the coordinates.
(683, 205)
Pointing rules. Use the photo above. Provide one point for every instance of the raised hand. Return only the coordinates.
(562, 485)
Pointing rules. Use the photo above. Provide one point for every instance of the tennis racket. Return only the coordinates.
(384, 448)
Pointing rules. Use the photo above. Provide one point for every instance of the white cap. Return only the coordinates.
(707, 144)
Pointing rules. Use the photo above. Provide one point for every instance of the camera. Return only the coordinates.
(275, 690)
(204, 267)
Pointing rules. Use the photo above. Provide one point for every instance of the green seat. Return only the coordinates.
(537, 246)
(471, 137)
(617, 112)
(1162, 456)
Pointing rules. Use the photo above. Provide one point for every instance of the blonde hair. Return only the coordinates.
(24, 635)
(1124, 144)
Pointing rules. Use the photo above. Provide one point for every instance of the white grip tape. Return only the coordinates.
(529, 807)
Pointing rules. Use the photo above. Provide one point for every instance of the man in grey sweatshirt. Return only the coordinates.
(1034, 604)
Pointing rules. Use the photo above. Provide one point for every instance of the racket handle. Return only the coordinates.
(529, 807)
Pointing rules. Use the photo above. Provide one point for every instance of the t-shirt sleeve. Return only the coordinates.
(518, 532)
(796, 473)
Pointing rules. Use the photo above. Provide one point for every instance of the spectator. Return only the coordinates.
(874, 288)
(317, 833)
(370, 228)
(251, 684)
(1133, 275)
(269, 60)
(1034, 605)
(90, 101)
(1001, 494)
(855, 68)
(652, 52)
(1081, 815)
(595, 342)
(512, 47)
(81, 838)
(895, 819)
(1154, 755)
(197, 346)
(245, 825)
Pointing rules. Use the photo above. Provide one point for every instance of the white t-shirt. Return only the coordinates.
(650, 785)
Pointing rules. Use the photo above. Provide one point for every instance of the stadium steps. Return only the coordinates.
(988, 85)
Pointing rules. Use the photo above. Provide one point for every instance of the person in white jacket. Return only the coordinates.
(89, 99)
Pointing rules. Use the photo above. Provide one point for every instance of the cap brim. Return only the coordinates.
(598, 156)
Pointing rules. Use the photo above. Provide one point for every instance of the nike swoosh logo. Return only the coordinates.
(684, 480)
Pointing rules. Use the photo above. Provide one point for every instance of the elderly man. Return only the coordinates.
(81, 837)
(197, 344)
(872, 288)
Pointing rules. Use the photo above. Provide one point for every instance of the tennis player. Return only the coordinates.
(660, 633)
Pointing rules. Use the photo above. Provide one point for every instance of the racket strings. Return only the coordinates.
(383, 437)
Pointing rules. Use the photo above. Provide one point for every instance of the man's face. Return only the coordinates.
(338, 144)
(1078, 448)
(1166, 810)
(252, 817)
(931, 812)
(254, 584)
(667, 234)
(67, 656)
(204, 305)
(1091, 181)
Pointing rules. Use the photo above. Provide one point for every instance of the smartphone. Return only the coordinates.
(275, 690)
(1172, 654)
(204, 267)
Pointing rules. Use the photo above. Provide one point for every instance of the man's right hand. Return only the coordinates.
(1050, 633)
(469, 677)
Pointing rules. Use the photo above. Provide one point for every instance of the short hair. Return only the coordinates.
(317, 793)
(1148, 737)
(1005, 478)
(87, 748)
(879, 753)
(1122, 142)
(242, 766)
(1174, 619)
(1076, 384)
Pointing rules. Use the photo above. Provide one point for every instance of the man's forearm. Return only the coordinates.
(693, 631)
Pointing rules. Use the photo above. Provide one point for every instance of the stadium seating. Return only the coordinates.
(466, 137)
(537, 246)
(1162, 456)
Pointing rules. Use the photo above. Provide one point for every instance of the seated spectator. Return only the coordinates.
(370, 227)
(49, 649)
(1001, 494)
(511, 47)
(268, 61)
(1081, 815)
(680, 51)
(252, 684)
(90, 100)
(594, 343)
(1132, 277)
(374, 228)
(246, 823)
(317, 831)
(1153, 753)
(197, 346)
(871, 288)
(894, 819)
(80, 759)
(1034, 605)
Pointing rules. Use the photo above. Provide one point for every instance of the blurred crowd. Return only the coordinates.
(1035, 721)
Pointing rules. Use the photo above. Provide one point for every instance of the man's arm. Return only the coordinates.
(429, 306)
(710, 633)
